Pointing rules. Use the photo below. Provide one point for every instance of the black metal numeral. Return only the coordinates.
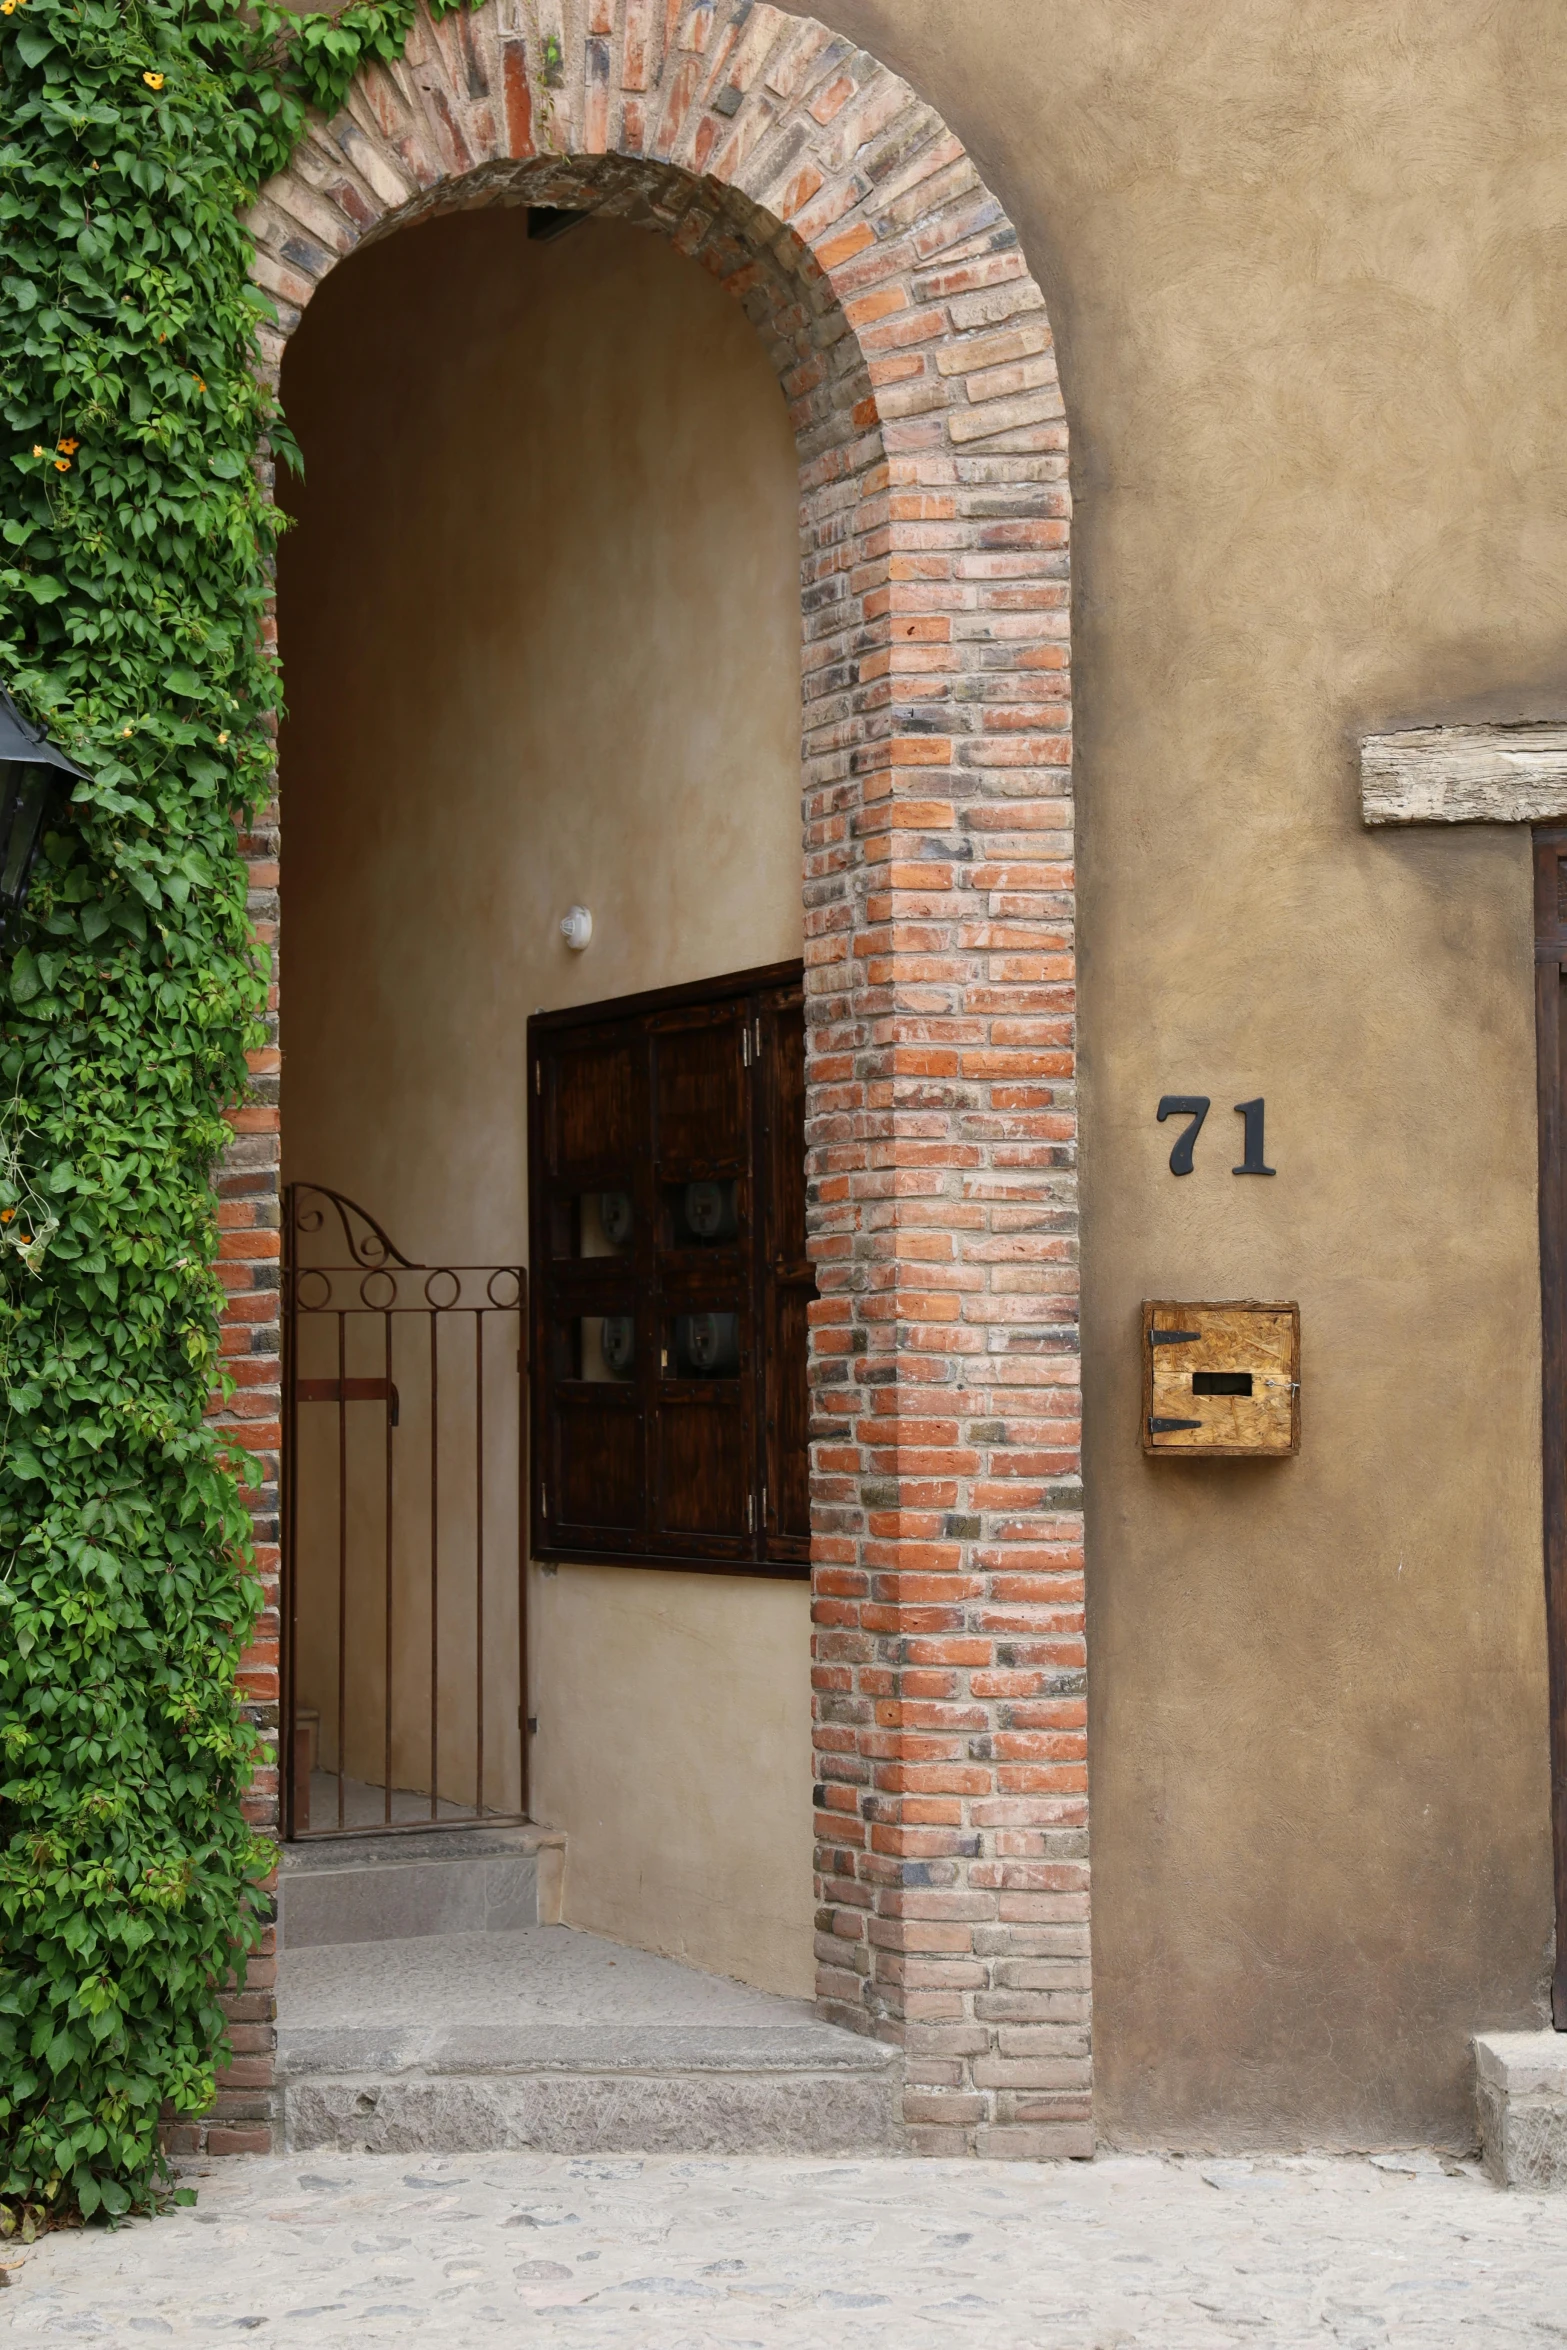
(1252, 1163)
(1184, 1105)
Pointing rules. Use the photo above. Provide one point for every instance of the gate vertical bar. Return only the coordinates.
(1550, 964)
(342, 1568)
(435, 1562)
(524, 1370)
(478, 1537)
(386, 1767)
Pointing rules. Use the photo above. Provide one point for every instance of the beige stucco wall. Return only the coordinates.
(1304, 259)
(541, 628)
(1305, 264)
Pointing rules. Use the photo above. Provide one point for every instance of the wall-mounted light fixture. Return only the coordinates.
(576, 928)
(30, 772)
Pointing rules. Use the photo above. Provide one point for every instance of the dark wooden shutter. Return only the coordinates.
(704, 1498)
(679, 1118)
(787, 1283)
(591, 1441)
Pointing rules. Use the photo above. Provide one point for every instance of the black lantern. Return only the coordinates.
(30, 772)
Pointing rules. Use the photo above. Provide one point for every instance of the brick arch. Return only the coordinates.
(915, 353)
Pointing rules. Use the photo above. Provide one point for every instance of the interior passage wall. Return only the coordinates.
(540, 622)
(1303, 260)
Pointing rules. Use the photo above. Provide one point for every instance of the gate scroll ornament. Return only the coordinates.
(915, 354)
(373, 1328)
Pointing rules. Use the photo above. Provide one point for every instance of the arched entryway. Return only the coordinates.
(914, 350)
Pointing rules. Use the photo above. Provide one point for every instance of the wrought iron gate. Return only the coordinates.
(404, 1517)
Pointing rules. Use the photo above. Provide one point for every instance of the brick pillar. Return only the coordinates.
(949, 1651)
(250, 1240)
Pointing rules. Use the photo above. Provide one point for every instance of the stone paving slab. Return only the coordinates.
(1128, 2253)
(538, 1976)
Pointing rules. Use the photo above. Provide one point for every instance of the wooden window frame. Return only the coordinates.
(1550, 968)
(769, 1274)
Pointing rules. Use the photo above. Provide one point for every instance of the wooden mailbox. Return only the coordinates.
(1221, 1381)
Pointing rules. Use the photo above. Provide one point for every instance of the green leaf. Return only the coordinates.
(132, 627)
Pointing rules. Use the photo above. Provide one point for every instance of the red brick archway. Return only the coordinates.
(916, 356)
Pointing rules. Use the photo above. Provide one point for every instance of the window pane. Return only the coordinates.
(607, 1346)
(703, 1346)
(703, 1214)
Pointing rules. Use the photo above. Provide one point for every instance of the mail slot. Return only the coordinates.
(1222, 1381)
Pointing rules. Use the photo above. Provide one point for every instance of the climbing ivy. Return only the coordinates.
(135, 548)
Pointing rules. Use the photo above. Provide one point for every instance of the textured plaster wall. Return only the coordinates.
(1304, 259)
(1305, 265)
(541, 627)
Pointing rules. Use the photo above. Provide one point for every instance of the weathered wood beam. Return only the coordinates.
(1465, 775)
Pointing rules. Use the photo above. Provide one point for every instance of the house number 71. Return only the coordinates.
(1195, 1106)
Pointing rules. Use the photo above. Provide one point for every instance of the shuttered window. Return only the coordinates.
(670, 1280)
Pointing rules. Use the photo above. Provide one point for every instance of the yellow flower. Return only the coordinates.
(39, 450)
(7, 7)
(196, 380)
(125, 730)
(68, 448)
(7, 1213)
(62, 465)
(224, 736)
(154, 81)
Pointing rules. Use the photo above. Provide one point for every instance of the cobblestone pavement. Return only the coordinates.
(674, 2253)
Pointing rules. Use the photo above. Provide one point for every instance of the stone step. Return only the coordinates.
(474, 2089)
(412, 1884)
(566, 2044)
(1521, 2089)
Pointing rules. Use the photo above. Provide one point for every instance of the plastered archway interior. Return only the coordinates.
(915, 353)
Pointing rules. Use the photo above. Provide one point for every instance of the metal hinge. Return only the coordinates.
(538, 1076)
(750, 1513)
(745, 1048)
(544, 1501)
(764, 1505)
(1158, 1427)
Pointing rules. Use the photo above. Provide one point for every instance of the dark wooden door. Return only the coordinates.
(671, 1282)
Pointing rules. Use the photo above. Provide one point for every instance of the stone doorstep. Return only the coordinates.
(591, 2089)
(1521, 2093)
(413, 1883)
(309, 2050)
